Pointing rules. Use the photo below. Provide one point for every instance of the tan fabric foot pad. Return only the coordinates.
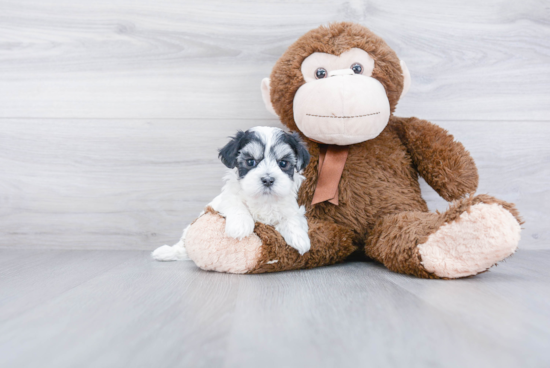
(210, 249)
(481, 237)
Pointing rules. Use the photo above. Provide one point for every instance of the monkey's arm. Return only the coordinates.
(444, 163)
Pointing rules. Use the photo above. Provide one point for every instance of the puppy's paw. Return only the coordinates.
(298, 240)
(239, 226)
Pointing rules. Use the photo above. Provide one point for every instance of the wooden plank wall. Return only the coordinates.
(111, 112)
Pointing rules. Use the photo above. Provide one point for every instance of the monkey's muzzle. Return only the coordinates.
(342, 109)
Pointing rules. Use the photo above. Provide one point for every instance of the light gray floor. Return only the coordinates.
(78, 308)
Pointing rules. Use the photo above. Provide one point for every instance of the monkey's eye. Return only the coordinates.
(357, 68)
(283, 164)
(321, 73)
(250, 163)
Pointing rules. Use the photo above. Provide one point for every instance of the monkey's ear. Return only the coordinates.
(266, 95)
(228, 154)
(406, 78)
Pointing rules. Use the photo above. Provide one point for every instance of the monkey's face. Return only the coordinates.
(340, 103)
(337, 84)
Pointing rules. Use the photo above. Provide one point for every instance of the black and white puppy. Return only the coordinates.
(261, 185)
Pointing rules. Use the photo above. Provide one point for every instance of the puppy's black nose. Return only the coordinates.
(268, 181)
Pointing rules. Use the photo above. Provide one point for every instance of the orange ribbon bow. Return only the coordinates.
(332, 159)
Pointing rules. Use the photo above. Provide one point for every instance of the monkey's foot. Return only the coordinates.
(480, 237)
(212, 250)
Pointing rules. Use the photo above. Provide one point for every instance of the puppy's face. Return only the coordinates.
(266, 159)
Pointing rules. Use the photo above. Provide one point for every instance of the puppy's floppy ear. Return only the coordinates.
(299, 147)
(228, 154)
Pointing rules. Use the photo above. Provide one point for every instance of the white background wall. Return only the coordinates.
(111, 111)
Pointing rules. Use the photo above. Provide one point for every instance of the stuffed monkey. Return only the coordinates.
(338, 87)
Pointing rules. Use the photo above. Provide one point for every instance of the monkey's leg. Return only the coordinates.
(469, 238)
(265, 250)
(330, 243)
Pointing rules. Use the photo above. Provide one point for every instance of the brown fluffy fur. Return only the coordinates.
(380, 204)
(321, 233)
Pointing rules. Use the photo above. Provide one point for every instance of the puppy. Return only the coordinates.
(262, 182)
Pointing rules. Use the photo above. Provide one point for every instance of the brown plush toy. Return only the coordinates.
(338, 86)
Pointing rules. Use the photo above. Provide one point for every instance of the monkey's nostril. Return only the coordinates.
(267, 181)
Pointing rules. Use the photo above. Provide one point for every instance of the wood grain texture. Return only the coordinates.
(469, 60)
(141, 313)
(134, 184)
(117, 109)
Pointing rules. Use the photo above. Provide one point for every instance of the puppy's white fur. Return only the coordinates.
(245, 200)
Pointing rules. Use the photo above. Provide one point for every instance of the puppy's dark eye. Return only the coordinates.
(357, 68)
(321, 73)
(283, 164)
(250, 163)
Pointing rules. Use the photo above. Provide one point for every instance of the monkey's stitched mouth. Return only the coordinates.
(342, 117)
